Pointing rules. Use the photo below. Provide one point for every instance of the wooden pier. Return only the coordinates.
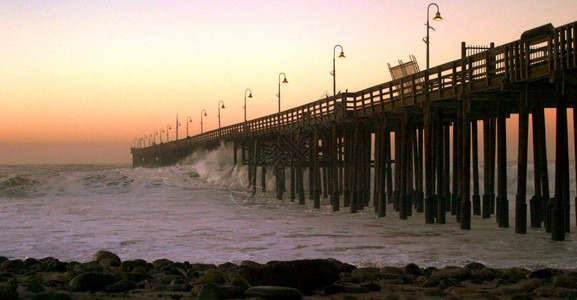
(412, 142)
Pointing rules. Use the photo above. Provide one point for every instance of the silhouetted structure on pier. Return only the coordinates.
(431, 118)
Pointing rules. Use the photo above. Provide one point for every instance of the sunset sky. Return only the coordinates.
(80, 80)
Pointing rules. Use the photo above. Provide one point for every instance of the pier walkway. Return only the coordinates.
(413, 141)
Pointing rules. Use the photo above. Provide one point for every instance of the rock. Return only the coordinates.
(475, 266)
(35, 286)
(159, 263)
(483, 274)
(305, 275)
(91, 282)
(227, 267)
(9, 289)
(372, 286)
(525, 286)
(433, 292)
(136, 277)
(334, 288)
(131, 265)
(51, 296)
(249, 263)
(564, 281)
(273, 293)
(12, 265)
(212, 275)
(103, 254)
(546, 273)
(365, 274)
(31, 262)
(121, 286)
(412, 269)
(457, 273)
(515, 274)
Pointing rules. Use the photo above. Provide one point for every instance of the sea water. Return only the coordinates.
(203, 211)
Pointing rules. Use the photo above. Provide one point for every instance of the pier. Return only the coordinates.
(413, 142)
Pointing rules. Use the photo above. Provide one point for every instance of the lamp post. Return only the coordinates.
(188, 120)
(334, 73)
(150, 141)
(155, 134)
(278, 95)
(201, 128)
(250, 96)
(160, 135)
(436, 18)
(167, 129)
(219, 107)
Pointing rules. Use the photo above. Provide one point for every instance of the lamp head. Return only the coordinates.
(250, 95)
(438, 17)
(342, 55)
(222, 106)
(205, 114)
(285, 81)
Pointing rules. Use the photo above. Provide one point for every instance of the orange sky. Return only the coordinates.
(80, 80)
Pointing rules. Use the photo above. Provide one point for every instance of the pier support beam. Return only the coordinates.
(502, 202)
(521, 201)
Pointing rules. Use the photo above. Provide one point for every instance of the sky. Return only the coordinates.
(81, 81)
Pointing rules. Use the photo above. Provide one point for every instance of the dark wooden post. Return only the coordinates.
(440, 210)
(502, 202)
(430, 199)
(420, 207)
(558, 213)
(475, 152)
(456, 173)
(292, 182)
(334, 178)
(314, 173)
(521, 201)
(466, 169)
(489, 165)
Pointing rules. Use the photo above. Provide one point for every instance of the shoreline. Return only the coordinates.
(107, 277)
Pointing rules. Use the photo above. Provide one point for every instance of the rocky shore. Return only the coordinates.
(107, 277)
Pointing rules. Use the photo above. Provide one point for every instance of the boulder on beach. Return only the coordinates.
(91, 282)
(105, 255)
(305, 275)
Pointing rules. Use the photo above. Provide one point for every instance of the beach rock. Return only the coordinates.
(121, 286)
(457, 273)
(35, 286)
(211, 276)
(273, 293)
(413, 269)
(483, 274)
(198, 267)
(159, 263)
(91, 282)
(546, 273)
(9, 289)
(103, 254)
(305, 275)
(140, 264)
(51, 296)
(135, 277)
(12, 265)
(366, 273)
(525, 286)
(514, 274)
(475, 266)
(564, 281)
(227, 267)
(249, 263)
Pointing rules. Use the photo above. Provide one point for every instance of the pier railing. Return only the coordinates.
(535, 56)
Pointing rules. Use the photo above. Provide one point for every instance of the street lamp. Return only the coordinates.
(278, 95)
(250, 96)
(160, 135)
(334, 73)
(167, 129)
(436, 18)
(219, 107)
(201, 128)
(188, 120)
(150, 140)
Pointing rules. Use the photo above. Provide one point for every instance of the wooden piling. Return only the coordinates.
(475, 153)
(523, 143)
(502, 202)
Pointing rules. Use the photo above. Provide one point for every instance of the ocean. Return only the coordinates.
(203, 211)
